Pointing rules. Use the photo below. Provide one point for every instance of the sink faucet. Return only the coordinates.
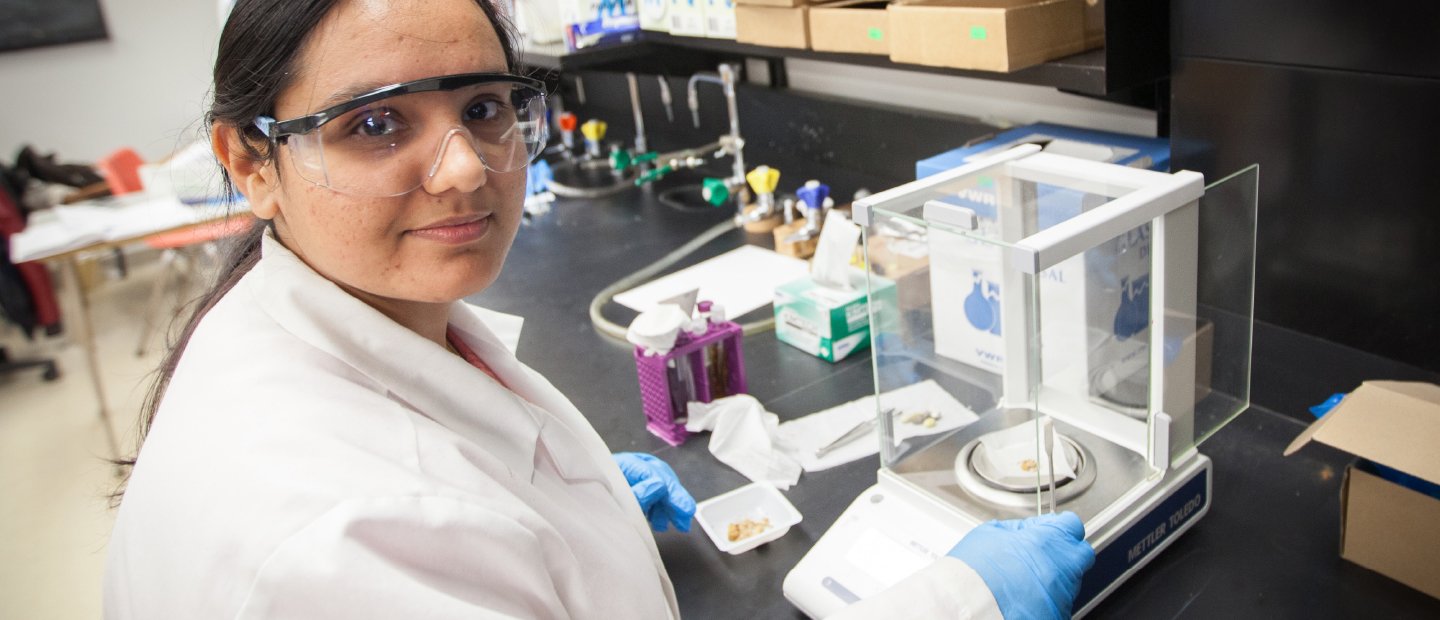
(725, 78)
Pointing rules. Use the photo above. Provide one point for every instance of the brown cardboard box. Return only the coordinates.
(1094, 24)
(772, 25)
(988, 35)
(856, 26)
(1386, 527)
(782, 3)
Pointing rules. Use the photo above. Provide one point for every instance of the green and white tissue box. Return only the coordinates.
(827, 322)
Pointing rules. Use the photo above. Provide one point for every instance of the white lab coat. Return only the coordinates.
(314, 459)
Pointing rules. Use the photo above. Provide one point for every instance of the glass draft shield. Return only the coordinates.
(388, 141)
(1084, 325)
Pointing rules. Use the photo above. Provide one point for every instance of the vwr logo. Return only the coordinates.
(971, 194)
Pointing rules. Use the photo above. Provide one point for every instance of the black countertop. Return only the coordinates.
(1267, 549)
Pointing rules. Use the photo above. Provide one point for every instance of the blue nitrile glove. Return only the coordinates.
(1032, 567)
(658, 490)
(1321, 409)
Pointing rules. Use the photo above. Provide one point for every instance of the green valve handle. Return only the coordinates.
(715, 191)
(654, 175)
(620, 159)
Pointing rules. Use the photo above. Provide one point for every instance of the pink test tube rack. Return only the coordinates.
(665, 411)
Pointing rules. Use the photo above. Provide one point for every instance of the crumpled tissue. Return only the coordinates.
(743, 436)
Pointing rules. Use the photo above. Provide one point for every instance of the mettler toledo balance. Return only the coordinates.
(1097, 318)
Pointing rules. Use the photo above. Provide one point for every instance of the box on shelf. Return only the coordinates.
(687, 17)
(779, 3)
(826, 322)
(593, 22)
(985, 35)
(854, 26)
(773, 26)
(1092, 144)
(1390, 499)
(655, 15)
(1094, 24)
(965, 274)
(720, 19)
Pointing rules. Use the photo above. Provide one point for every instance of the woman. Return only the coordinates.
(337, 435)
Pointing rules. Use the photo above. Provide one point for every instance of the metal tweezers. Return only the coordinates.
(860, 430)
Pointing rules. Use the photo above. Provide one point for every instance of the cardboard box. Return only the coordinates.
(773, 26)
(1094, 24)
(1082, 307)
(855, 26)
(825, 322)
(1092, 144)
(986, 35)
(1385, 526)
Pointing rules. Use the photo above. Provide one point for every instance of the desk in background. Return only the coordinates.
(64, 234)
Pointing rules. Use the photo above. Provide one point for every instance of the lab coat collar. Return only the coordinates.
(415, 371)
(574, 445)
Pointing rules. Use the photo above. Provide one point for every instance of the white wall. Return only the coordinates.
(145, 87)
(1002, 103)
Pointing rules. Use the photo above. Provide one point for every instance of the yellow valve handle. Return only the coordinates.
(593, 130)
(763, 179)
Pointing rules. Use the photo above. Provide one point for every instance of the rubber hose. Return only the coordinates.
(559, 188)
(605, 326)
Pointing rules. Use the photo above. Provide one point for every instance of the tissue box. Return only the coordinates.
(826, 322)
(1390, 500)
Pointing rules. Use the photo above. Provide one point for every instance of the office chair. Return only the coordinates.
(7, 366)
(26, 296)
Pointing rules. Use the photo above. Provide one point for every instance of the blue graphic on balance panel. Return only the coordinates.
(982, 305)
(1134, 313)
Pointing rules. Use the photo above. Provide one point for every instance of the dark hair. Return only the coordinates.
(255, 62)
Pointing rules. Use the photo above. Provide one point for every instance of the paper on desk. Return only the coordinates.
(42, 239)
(813, 431)
(741, 280)
(76, 226)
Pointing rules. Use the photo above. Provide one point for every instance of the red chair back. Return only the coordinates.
(121, 171)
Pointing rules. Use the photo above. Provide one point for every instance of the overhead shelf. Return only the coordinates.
(1084, 73)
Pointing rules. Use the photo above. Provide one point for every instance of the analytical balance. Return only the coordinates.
(1097, 318)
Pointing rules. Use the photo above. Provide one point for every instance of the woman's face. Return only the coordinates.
(441, 242)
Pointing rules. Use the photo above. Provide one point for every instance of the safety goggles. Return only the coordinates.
(388, 141)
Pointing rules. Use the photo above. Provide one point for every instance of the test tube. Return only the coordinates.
(682, 387)
(717, 371)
